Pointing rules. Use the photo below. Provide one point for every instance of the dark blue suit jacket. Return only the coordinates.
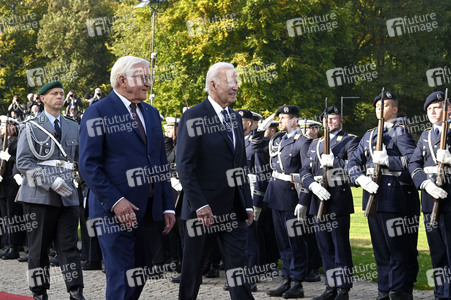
(115, 162)
(210, 170)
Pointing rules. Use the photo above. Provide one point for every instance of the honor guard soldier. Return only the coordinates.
(424, 170)
(392, 249)
(333, 245)
(310, 128)
(46, 152)
(287, 149)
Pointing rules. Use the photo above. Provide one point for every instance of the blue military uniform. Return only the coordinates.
(287, 153)
(423, 166)
(334, 245)
(396, 197)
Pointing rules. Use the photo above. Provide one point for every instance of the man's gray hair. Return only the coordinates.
(213, 73)
(123, 66)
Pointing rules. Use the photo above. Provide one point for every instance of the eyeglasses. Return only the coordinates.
(145, 79)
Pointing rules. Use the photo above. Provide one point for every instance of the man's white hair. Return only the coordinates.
(213, 73)
(123, 66)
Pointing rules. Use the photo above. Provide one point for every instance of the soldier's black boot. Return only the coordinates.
(295, 291)
(281, 289)
(76, 294)
(342, 294)
(394, 295)
(40, 296)
(313, 276)
(382, 295)
(329, 294)
(13, 253)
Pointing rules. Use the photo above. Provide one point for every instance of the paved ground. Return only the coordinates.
(13, 280)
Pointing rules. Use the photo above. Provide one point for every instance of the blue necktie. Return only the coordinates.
(57, 130)
(228, 124)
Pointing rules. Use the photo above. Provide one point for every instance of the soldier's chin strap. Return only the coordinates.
(53, 139)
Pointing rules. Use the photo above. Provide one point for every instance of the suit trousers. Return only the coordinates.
(58, 224)
(196, 252)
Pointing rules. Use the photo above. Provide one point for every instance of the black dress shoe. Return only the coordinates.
(395, 295)
(342, 294)
(92, 265)
(226, 287)
(4, 251)
(213, 272)
(176, 279)
(313, 276)
(76, 294)
(23, 258)
(285, 286)
(329, 294)
(253, 287)
(295, 291)
(40, 296)
(13, 253)
(382, 295)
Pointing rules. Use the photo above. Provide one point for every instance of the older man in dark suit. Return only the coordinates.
(216, 205)
(123, 161)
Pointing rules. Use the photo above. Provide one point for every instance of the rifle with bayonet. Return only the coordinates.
(441, 166)
(5, 146)
(325, 184)
(370, 210)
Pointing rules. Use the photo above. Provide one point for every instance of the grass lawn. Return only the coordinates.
(362, 252)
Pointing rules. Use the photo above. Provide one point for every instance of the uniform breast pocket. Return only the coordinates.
(71, 146)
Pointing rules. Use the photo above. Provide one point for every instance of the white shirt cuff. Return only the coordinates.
(249, 209)
(169, 212)
(112, 207)
(201, 208)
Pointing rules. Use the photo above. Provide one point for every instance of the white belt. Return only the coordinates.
(57, 163)
(432, 170)
(386, 172)
(280, 176)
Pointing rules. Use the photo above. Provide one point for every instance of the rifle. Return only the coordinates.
(441, 166)
(5, 145)
(174, 132)
(370, 210)
(325, 184)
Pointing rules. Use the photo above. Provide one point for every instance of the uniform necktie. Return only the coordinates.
(57, 130)
(138, 121)
(228, 124)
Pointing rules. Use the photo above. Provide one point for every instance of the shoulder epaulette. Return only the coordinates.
(306, 136)
(317, 139)
(428, 129)
(371, 129)
(350, 134)
(69, 118)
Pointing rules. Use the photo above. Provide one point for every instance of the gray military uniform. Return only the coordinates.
(42, 163)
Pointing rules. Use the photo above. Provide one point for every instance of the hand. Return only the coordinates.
(444, 156)
(434, 190)
(61, 187)
(4, 155)
(265, 123)
(327, 160)
(257, 211)
(125, 212)
(205, 216)
(18, 178)
(381, 157)
(250, 217)
(169, 221)
(301, 212)
(367, 184)
(319, 191)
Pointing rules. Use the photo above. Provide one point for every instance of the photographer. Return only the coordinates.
(72, 101)
(97, 96)
(17, 107)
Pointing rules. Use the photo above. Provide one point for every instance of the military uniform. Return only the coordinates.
(41, 161)
(287, 152)
(423, 166)
(396, 196)
(334, 245)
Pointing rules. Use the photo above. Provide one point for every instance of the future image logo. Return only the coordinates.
(438, 76)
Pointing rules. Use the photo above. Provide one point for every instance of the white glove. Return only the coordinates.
(300, 211)
(18, 178)
(367, 184)
(4, 155)
(257, 211)
(61, 187)
(319, 191)
(381, 157)
(327, 160)
(444, 156)
(1, 178)
(434, 190)
(265, 123)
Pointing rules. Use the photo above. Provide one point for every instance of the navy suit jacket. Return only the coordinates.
(210, 170)
(115, 162)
